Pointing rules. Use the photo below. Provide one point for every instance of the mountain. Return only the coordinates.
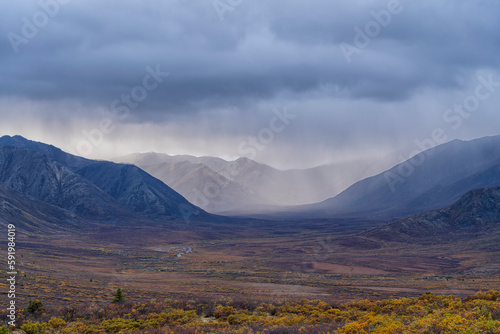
(137, 190)
(431, 180)
(475, 213)
(51, 152)
(33, 216)
(204, 187)
(208, 182)
(91, 189)
(32, 173)
(244, 185)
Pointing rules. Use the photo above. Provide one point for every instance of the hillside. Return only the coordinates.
(35, 217)
(32, 173)
(96, 190)
(477, 213)
(138, 191)
(441, 177)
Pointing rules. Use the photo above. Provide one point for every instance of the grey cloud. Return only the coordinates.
(264, 54)
(97, 51)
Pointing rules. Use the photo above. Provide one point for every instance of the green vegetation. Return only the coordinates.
(118, 296)
(35, 307)
(429, 313)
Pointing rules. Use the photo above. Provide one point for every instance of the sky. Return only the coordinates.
(292, 84)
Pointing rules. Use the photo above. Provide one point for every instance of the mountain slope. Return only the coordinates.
(32, 216)
(204, 187)
(444, 174)
(88, 188)
(476, 212)
(51, 152)
(137, 190)
(245, 185)
(32, 173)
(212, 183)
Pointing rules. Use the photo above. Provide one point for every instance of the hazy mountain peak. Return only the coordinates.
(224, 186)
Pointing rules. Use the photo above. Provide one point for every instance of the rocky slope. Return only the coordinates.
(36, 217)
(475, 213)
(138, 191)
(32, 173)
(93, 189)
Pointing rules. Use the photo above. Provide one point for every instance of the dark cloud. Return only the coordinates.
(95, 50)
(263, 54)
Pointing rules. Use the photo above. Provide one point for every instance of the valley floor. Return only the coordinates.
(262, 264)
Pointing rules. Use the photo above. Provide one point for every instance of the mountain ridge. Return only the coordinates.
(81, 186)
(444, 171)
(476, 212)
(243, 182)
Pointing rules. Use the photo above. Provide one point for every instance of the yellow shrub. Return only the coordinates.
(56, 323)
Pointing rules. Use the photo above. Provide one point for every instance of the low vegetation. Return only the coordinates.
(428, 313)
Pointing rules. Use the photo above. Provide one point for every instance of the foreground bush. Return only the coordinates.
(429, 313)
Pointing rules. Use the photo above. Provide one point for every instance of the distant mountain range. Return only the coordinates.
(245, 186)
(433, 179)
(45, 189)
(94, 191)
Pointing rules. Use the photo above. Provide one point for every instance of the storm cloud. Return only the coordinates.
(231, 63)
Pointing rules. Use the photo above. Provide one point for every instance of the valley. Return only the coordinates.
(279, 265)
(88, 228)
(250, 167)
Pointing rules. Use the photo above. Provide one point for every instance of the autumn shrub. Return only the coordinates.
(34, 327)
(56, 323)
(223, 312)
(428, 313)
